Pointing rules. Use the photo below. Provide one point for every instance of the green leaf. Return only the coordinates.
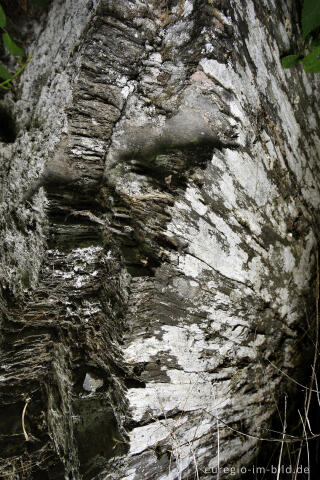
(4, 73)
(41, 3)
(289, 60)
(310, 16)
(13, 48)
(3, 18)
(311, 62)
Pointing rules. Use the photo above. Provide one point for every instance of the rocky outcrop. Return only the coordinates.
(159, 215)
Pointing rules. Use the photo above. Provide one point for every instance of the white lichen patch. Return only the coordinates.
(178, 342)
(289, 261)
(227, 189)
(219, 72)
(142, 438)
(302, 274)
(192, 394)
(206, 246)
(197, 203)
(251, 175)
(189, 265)
(188, 8)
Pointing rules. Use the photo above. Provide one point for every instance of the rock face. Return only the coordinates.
(160, 201)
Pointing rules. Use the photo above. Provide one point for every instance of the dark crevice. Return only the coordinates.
(134, 383)
(8, 129)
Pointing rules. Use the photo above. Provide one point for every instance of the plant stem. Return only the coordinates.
(2, 85)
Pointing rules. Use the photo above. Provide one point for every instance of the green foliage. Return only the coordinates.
(311, 62)
(310, 20)
(4, 73)
(13, 48)
(289, 60)
(3, 18)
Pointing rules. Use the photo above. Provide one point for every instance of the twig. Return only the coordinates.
(289, 439)
(307, 445)
(317, 387)
(26, 436)
(309, 391)
(283, 435)
(292, 379)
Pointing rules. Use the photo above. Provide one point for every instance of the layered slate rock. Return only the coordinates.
(159, 235)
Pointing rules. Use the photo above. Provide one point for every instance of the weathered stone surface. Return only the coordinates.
(159, 230)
